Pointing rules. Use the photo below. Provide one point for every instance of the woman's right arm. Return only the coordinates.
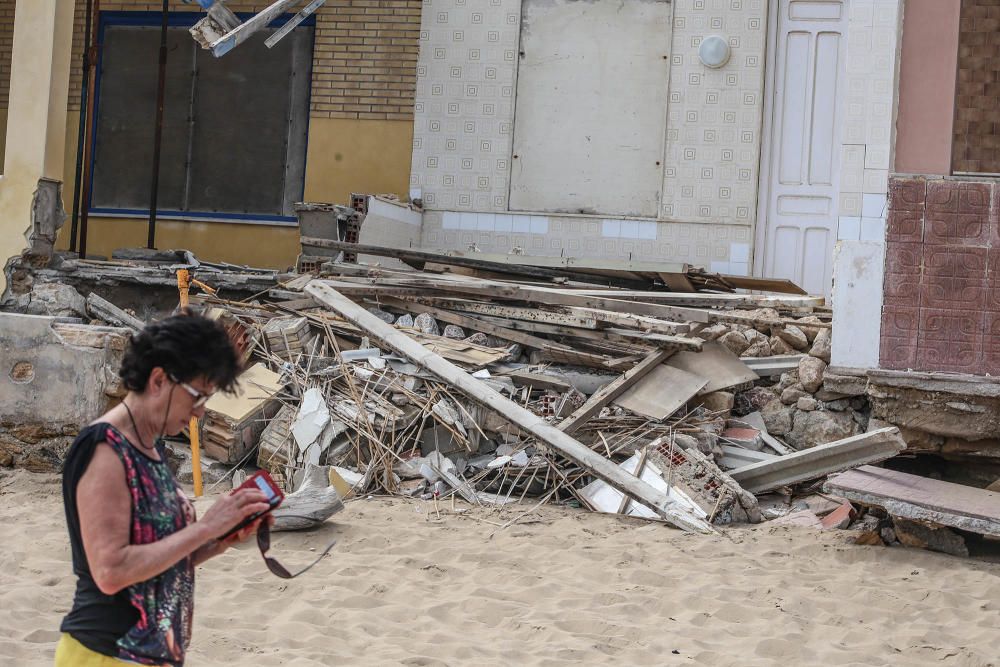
(104, 506)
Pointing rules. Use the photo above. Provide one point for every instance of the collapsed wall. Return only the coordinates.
(54, 378)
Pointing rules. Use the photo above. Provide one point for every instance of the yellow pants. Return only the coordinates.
(71, 653)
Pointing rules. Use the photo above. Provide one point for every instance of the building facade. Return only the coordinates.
(607, 130)
(356, 113)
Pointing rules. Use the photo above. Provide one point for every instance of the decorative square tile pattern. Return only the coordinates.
(901, 289)
(464, 110)
(956, 229)
(905, 226)
(955, 262)
(908, 194)
(991, 343)
(952, 293)
(904, 258)
(900, 326)
(714, 116)
(993, 280)
(951, 277)
(951, 340)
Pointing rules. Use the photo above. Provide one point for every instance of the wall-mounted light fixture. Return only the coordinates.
(714, 52)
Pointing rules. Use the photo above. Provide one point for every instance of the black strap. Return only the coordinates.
(264, 544)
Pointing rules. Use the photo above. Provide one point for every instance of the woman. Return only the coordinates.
(133, 533)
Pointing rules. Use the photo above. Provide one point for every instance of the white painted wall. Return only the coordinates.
(590, 109)
(858, 272)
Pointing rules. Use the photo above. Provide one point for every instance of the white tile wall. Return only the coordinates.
(874, 205)
(714, 116)
(873, 35)
(739, 252)
(873, 229)
(464, 109)
(852, 168)
(876, 181)
(849, 228)
(726, 246)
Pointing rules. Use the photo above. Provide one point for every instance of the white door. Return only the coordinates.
(800, 178)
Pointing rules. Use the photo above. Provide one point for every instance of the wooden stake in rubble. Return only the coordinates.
(530, 423)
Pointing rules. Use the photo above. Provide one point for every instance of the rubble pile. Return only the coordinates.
(666, 395)
(498, 382)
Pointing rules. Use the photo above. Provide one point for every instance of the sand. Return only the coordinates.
(403, 587)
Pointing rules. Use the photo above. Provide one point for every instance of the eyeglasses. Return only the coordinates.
(200, 397)
(276, 568)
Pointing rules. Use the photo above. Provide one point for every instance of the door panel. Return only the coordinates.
(802, 180)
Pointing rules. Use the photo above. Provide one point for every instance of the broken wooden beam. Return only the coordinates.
(476, 324)
(820, 461)
(419, 258)
(532, 424)
(921, 499)
(611, 391)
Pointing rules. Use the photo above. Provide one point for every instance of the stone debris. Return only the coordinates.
(350, 403)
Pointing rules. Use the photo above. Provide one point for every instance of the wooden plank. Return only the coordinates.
(517, 313)
(700, 299)
(588, 263)
(662, 392)
(610, 392)
(526, 421)
(534, 342)
(597, 337)
(418, 258)
(553, 297)
(641, 340)
(921, 498)
(630, 321)
(764, 284)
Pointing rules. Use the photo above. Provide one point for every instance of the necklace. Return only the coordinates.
(135, 428)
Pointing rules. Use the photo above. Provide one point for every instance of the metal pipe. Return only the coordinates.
(95, 50)
(82, 136)
(158, 133)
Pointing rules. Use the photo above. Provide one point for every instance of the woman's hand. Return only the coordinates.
(245, 533)
(231, 510)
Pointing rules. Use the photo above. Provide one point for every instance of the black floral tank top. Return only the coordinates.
(162, 607)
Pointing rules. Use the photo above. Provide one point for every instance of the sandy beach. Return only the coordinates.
(405, 587)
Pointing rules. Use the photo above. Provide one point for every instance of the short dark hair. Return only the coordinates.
(186, 346)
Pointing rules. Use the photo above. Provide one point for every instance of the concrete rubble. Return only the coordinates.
(604, 390)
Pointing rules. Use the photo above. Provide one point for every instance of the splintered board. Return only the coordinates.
(717, 364)
(662, 392)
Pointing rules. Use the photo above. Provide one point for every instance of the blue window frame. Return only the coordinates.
(235, 128)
